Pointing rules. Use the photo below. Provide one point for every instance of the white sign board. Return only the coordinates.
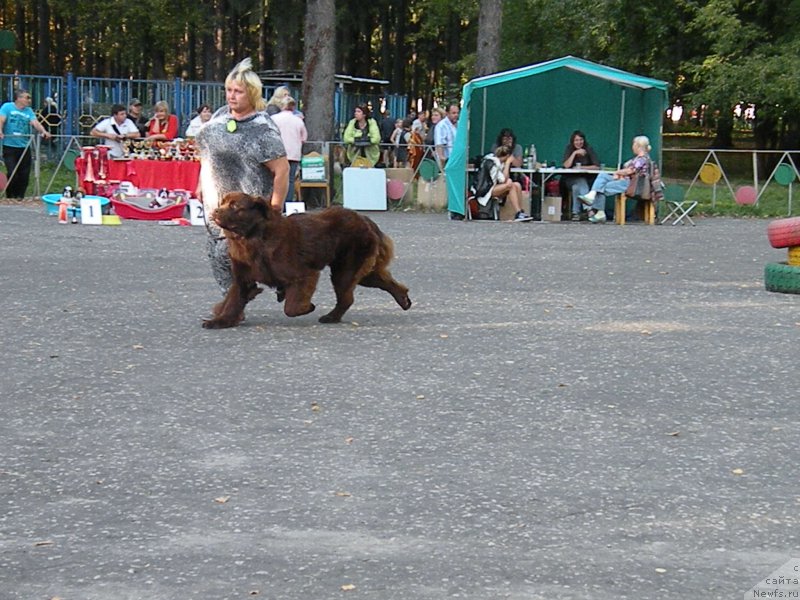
(91, 213)
(294, 207)
(196, 212)
(364, 189)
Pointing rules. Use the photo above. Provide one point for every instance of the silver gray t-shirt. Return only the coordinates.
(233, 153)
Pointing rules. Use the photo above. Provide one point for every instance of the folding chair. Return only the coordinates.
(679, 207)
(492, 209)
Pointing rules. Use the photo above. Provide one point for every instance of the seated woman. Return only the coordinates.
(507, 138)
(611, 184)
(502, 186)
(162, 126)
(362, 137)
(578, 154)
(204, 113)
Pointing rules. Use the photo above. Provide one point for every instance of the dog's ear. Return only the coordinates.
(261, 205)
(227, 198)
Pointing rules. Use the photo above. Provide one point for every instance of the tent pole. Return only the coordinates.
(621, 129)
(483, 124)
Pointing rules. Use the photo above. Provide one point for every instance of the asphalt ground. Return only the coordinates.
(568, 411)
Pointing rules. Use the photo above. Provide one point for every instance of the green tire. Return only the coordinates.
(782, 277)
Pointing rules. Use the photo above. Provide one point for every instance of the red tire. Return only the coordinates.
(784, 233)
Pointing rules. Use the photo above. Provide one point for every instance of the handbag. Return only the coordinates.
(638, 187)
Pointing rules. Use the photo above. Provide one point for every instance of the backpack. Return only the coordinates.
(656, 185)
(483, 180)
(481, 186)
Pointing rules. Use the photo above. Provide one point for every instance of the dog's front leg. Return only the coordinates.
(230, 312)
(298, 296)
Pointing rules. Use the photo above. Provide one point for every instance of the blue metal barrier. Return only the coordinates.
(82, 101)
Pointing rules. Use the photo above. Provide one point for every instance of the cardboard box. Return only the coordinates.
(551, 208)
(432, 195)
(312, 168)
(404, 176)
(507, 213)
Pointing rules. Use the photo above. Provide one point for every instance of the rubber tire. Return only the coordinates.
(780, 277)
(794, 256)
(784, 233)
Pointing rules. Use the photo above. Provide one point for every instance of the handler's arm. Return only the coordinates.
(279, 168)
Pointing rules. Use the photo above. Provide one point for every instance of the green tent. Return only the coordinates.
(544, 103)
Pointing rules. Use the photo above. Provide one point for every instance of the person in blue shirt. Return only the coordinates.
(16, 120)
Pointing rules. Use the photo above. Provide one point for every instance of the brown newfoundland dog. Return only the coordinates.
(288, 253)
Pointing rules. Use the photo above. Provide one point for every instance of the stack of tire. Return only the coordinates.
(784, 277)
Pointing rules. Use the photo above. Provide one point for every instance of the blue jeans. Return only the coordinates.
(293, 164)
(578, 186)
(606, 185)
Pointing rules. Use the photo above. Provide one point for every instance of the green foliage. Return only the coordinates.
(714, 52)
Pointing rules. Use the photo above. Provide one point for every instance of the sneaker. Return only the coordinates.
(522, 216)
(588, 198)
(598, 217)
(576, 216)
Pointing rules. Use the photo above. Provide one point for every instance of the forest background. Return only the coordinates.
(716, 54)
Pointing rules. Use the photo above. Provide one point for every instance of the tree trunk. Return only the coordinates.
(490, 23)
(319, 68)
(398, 83)
(19, 26)
(724, 133)
(43, 49)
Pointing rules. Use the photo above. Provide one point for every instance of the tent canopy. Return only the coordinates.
(544, 103)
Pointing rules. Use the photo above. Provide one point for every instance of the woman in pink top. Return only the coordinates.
(293, 133)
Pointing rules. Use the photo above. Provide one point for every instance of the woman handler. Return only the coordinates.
(240, 150)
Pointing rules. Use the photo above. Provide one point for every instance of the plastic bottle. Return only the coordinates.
(62, 209)
(533, 156)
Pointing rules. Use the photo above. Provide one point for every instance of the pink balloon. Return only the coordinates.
(746, 195)
(395, 189)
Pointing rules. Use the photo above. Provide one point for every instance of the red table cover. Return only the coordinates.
(144, 174)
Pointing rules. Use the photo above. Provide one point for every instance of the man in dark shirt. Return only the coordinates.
(387, 127)
(135, 115)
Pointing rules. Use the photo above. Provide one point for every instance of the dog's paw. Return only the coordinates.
(330, 318)
(293, 310)
(404, 302)
(215, 324)
(222, 323)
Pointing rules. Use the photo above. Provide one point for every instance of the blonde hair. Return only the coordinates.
(642, 141)
(502, 151)
(161, 104)
(278, 95)
(243, 74)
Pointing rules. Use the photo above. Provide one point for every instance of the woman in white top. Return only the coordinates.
(203, 116)
(502, 185)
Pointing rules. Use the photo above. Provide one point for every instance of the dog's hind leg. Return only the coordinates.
(344, 282)
(382, 279)
(298, 296)
(378, 276)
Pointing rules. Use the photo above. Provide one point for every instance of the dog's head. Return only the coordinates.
(243, 215)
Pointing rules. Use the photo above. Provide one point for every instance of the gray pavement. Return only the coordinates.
(567, 411)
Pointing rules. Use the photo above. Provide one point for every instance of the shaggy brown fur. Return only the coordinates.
(288, 253)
